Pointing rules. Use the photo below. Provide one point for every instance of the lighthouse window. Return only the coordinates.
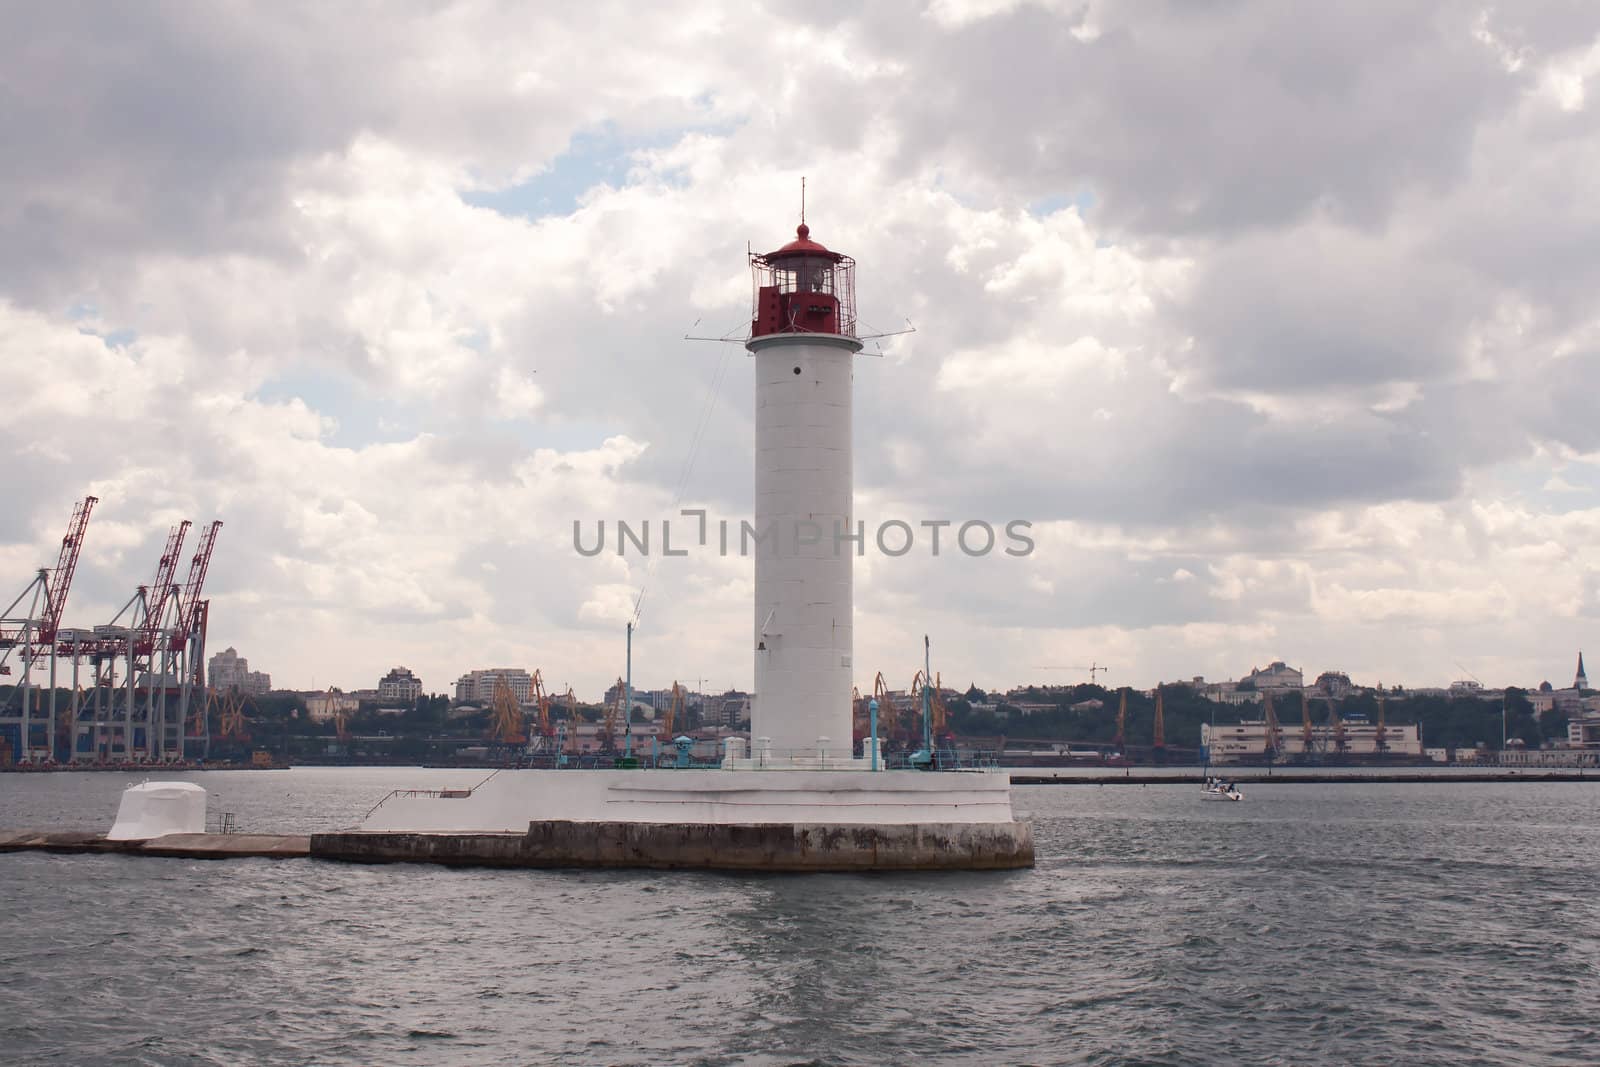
(816, 276)
(810, 275)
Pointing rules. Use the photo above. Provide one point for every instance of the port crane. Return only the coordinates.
(608, 725)
(505, 714)
(187, 641)
(541, 702)
(230, 714)
(35, 633)
(887, 717)
(671, 717)
(571, 699)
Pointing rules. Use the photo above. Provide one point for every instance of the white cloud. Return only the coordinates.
(1245, 310)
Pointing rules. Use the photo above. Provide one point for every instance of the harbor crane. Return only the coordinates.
(505, 714)
(35, 633)
(608, 725)
(673, 716)
(571, 701)
(541, 703)
(230, 714)
(887, 716)
(188, 637)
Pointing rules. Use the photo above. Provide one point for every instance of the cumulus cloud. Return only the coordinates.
(1277, 324)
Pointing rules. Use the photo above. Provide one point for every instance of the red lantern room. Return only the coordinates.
(803, 288)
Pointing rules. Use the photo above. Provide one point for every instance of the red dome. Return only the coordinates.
(803, 245)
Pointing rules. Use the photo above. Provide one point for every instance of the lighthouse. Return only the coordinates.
(803, 341)
(796, 801)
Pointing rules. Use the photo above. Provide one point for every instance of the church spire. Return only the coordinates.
(1582, 681)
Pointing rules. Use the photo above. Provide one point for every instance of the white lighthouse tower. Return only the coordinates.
(802, 336)
(794, 802)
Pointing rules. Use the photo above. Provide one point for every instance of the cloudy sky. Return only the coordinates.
(1277, 321)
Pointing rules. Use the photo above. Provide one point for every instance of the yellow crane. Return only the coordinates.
(230, 716)
(340, 727)
(886, 708)
(608, 726)
(572, 722)
(670, 717)
(541, 701)
(505, 714)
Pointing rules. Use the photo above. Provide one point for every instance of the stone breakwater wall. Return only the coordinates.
(703, 846)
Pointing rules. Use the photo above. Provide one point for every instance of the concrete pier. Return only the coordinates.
(660, 846)
(182, 846)
(704, 846)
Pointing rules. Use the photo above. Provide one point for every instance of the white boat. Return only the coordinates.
(1216, 789)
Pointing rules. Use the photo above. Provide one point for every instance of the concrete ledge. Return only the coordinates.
(703, 846)
(180, 846)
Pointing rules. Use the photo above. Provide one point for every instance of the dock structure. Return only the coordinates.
(180, 846)
(659, 846)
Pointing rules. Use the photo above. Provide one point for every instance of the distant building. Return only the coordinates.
(477, 687)
(645, 701)
(1226, 692)
(1583, 731)
(1231, 742)
(399, 686)
(1276, 675)
(1335, 685)
(322, 706)
(229, 670)
(730, 709)
(1582, 680)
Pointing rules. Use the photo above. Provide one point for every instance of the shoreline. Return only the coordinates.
(1332, 777)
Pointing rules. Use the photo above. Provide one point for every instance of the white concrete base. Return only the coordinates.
(156, 809)
(508, 801)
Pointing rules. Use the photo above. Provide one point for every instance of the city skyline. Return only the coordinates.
(480, 681)
(1284, 350)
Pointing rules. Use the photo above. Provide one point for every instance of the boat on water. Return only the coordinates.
(1218, 789)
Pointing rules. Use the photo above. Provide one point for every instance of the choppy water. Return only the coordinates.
(1311, 924)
